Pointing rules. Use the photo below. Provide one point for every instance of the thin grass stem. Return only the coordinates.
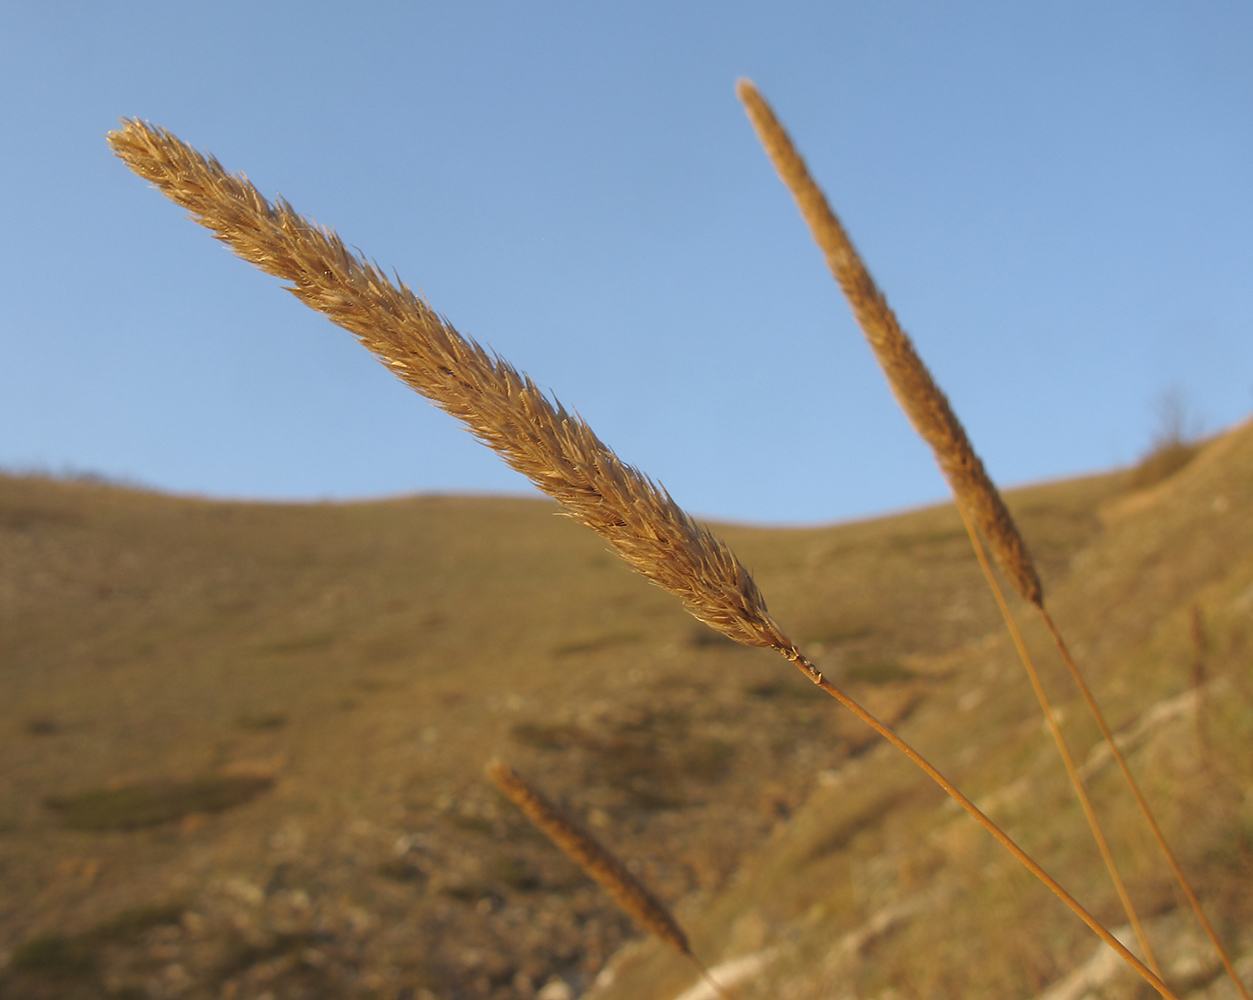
(925, 405)
(1093, 823)
(598, 861)
(1156, 830)
(816, 677)
(922, 400)
(532, 433)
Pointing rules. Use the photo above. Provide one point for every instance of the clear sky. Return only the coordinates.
(1056, 197)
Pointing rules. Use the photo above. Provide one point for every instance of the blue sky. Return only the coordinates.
(1056, 197)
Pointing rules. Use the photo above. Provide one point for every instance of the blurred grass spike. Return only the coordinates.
(631, 895)
(591, 855)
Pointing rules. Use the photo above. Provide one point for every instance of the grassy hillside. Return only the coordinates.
(243, 744)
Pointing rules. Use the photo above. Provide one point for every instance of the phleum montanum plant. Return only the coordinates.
(556, 450)
(978, 501)
(631, 895)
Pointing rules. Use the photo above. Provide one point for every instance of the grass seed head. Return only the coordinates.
(926, 406)
(556, 450)
(591, 855)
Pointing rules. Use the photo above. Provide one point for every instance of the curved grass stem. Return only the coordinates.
(1156, 830)
(816, 677)
(1063, 750)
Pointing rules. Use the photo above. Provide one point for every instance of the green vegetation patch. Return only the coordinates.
(542, 736)
(707, 759)
(1162, 463)
(600, 642)
(298, 643)
(516, 873)
(25, 517)
(648, 754)
(704, 637)
(63, 957)
(401, 870)
(41, 725)
(130, 924)
(152, 803)
(880, 672)
(779, 687)
(837, 635)
(245, 954)
(262, 721)
(55, 955)
(920, 539)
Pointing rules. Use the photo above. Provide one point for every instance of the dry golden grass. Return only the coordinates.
(628, 892)
(138, 629)
(978, 499)
(921, 399)
(556, 450)
(559, 453)
(591, 855)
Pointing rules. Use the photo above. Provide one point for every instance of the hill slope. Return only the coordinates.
(242, 744)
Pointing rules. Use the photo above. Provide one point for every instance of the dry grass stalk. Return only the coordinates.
(812, 672)
(505, 410)
(926, 406)
(1063, 750)
(556, 450)
(590, 855)
(1149, 818)
(977, 497)
(978, 500)
(631, 895)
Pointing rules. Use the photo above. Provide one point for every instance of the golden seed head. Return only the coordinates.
(591, 855)
(535, 435)
(926, 406)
